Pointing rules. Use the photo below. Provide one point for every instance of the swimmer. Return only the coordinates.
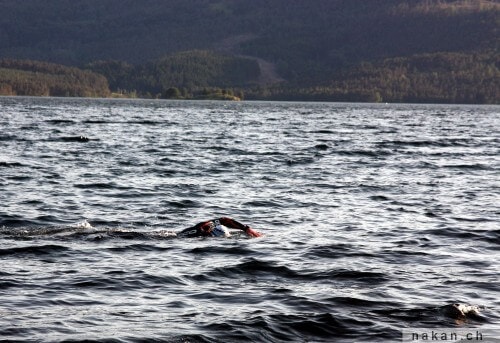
(460, 311)
(217, 228)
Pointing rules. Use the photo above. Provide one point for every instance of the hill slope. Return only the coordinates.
(48, 79)
(302, 44)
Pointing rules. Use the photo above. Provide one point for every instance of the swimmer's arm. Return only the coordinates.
(233, 224)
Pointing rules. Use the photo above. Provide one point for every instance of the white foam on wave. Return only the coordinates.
(84, 225)
(459, 310)
(165, 233)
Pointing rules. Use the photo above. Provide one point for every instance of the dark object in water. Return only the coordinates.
(75, 139)
(460, 311)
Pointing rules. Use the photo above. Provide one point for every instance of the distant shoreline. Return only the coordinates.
(408, 51)
(245, 100)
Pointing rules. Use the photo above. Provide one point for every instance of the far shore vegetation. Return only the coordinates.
(422, 51)
(427, 78)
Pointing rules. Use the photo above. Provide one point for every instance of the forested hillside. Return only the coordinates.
(189, 70)
(431, 78)
(331, 49)
(48, 79)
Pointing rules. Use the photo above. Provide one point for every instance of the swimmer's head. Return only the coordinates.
(220, 231)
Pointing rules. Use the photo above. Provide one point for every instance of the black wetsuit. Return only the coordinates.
(213, 228)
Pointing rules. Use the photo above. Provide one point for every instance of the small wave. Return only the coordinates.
(127, 234)
(263, 203)
(146, 122)
(442, 143)
(354, 275)
(162, 281)
(367, 153)
(128, 281)
(20, 177)
(357, 302)
(321, 147)
(232, 250)
(255, 267)
(322, 325)
(337, 251)
(10, 164)
(475, 166)
(16, 222)
(230, 151)
(314, 327)
(379, 198)
(251, 267)
(162, 172)
(398, 255)
(60, 121)
(474, 219)
(37, 250)
(487, 285)
(139, 247)
(77, 139)
(292, 161)
(100, 121)
(98, 283)
(96, 185)
(324, 132)
(492, 236)
(8, 138)
(4, 284)
(182, 204)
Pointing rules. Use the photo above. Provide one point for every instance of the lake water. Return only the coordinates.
(376, 218)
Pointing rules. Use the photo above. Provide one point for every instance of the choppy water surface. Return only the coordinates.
(376, 218)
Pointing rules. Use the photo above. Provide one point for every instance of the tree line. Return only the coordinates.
(425, 78)
(188, 74)
(343, 50)
(442, 77)
(33, 78)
